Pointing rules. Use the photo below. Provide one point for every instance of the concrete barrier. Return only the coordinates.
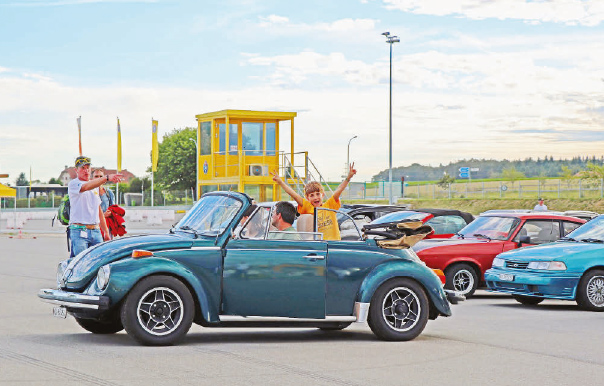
(154, 219)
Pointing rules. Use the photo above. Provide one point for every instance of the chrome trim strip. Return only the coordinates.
(361, 311)
(237, 318)
(204, 249)
(281, 250)
(314, 257)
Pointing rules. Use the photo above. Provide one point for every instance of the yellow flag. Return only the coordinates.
(154, 147)
(119, 147)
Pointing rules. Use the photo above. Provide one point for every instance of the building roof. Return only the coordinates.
(249, 114)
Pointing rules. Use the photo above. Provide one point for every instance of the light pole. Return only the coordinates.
(348, 156)
(390, 39)
(196, 165)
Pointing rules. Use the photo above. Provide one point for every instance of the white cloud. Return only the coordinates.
(571, 12)
(267, 21)
(446, 107)
(57, 3)
(342, 25)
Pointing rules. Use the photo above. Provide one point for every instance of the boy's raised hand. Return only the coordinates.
(276, 177)
(351, 172)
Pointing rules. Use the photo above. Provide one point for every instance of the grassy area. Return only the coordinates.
(477, 206)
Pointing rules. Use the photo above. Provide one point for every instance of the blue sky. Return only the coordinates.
(472, 78)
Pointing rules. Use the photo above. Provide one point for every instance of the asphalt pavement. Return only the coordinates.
(489, 340)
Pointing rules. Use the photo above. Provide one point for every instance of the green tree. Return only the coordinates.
(21, 180)
(567, 175)
(176, 164)
(55, 181)
(446, 181)
(593, 172)
(511, 174)
(138, 184)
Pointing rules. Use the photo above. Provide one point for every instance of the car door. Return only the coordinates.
(284, 278)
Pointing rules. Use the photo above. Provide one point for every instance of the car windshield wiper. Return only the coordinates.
(481, 235)
(591, 240)
(568, 239)
(460, 235)
(188, 229)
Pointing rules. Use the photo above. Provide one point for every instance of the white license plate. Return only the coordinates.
(506, 277)
(59, 312)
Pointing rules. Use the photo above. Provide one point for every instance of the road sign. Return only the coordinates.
(464, 174)
(474, 169)
(464, 169)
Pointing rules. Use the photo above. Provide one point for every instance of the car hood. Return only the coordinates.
(84, 267)
(448, 243)
(560, 251)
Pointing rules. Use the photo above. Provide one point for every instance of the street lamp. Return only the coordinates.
(390, 39)
(348, 156)
(196, 166)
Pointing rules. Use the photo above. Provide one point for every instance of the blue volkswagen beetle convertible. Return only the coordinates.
(569, 269)
(219, 268)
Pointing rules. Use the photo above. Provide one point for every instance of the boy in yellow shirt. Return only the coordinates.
(326, 220)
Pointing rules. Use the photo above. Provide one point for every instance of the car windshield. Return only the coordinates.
(210, 216)
(489, 227)
(399, 216)
(593, 230)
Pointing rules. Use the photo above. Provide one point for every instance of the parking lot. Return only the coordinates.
(490, 339)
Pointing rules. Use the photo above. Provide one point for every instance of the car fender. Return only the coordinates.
(125, 274)
(468, 260)
(402, 268)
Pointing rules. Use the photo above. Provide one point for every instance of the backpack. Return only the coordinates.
(63, 214)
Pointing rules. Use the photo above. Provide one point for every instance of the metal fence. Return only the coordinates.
(550, 188)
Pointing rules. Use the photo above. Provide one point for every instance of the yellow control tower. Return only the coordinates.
(238, 149)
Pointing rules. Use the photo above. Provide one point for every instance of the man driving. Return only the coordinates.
(283, 217)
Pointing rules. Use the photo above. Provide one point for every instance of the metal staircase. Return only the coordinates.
(302, 174)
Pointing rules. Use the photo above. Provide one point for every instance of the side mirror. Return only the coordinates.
(523, 240)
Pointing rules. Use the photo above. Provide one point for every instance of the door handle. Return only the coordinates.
(314, 256)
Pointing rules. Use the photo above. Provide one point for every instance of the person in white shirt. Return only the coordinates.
(540, 207)
(86, 219)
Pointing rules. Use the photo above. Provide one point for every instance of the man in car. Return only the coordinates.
(283, 217)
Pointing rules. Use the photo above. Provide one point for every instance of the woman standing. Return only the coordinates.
(106, 195)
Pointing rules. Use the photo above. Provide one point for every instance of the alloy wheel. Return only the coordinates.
(401, 309)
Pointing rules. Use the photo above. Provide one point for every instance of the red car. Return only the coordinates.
(466, 256)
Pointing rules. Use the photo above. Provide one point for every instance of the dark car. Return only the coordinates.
(216, 272)
(445, 222)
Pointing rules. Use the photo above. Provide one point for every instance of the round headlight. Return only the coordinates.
(61, 273)
(102, 277)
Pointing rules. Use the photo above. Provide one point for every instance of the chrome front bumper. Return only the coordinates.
(454, 297)
(73, 299)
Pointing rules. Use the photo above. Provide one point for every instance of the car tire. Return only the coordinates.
(101, 327)
(590, 292)
(398, 310)
(158, 311)
(461, 278)
(334, 327)
(527, 300)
